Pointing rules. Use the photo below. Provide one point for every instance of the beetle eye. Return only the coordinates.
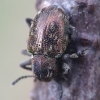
(85, 42)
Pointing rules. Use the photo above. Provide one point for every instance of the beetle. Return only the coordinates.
(48, 39)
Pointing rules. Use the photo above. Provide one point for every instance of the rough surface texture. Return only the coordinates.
(48, 32)
(83, 81)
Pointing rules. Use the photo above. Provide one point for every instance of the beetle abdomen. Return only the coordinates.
(48, 32)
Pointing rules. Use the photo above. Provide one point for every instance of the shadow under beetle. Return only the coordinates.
(48, 39)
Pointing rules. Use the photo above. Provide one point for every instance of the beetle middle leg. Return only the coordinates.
(75, 55)
(25, 64)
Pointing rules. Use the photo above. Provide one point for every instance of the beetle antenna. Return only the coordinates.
(22, 77)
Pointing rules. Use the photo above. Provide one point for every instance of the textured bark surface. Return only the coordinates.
(83, 81)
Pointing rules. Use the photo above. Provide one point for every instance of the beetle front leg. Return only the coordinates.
(25, 63)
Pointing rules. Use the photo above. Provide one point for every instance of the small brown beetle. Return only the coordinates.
(48, 39)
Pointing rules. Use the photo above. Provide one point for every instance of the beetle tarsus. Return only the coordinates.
(25, 52)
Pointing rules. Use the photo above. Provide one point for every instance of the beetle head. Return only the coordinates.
(44, 67)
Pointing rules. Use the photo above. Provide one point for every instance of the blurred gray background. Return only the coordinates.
(13, 36)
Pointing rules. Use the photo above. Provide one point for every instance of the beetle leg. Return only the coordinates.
(29, 21)
(25, 52)
(25, 63)
(72, 32)
(79, 53)
(66, 68)
(75, 55)
(67, 56)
